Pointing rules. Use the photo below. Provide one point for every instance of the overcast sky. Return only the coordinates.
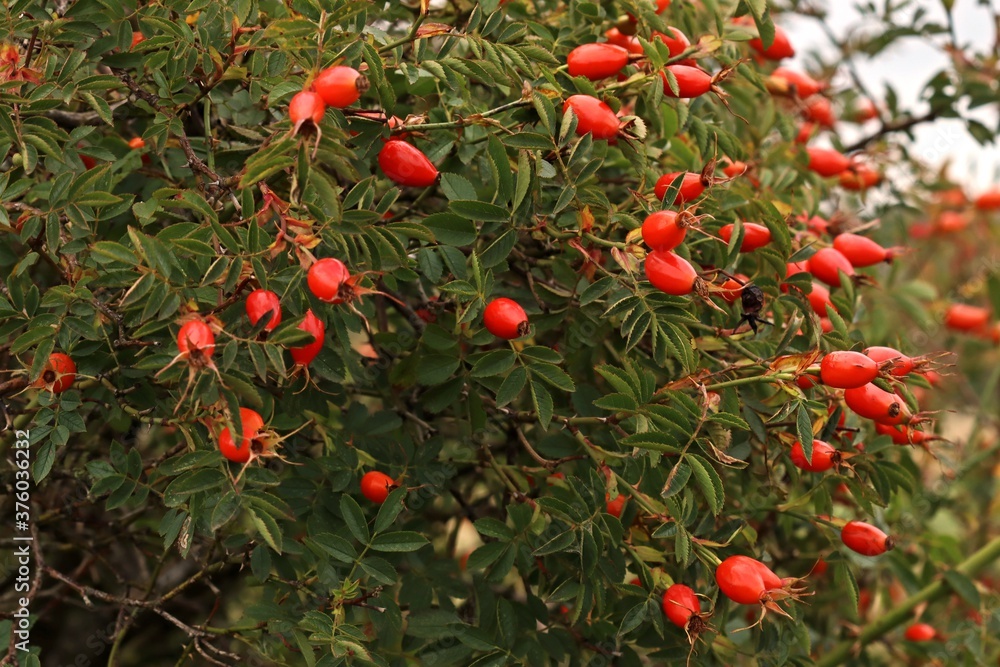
(908, 65)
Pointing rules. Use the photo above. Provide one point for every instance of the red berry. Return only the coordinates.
(137, 38)
(735, 168)
(745, 580)
(691, 187)
(921, 632)
(136, 143)
(795, 268)
(820, 111)
(628, 42)
(823, 458)
(865, 538)
(798, 84)
(754, 235)
(691, 81)
(861, 251)
(665, 230)
(733, 289)
(670, 273)
(847, 369)
(988, 201)
(859, 177)
(251, 423)
(806, 132)
(376, 486)
(304, 354)
(950, 222)
(864, 110)
(963, 317)
(661, 6)
(596, 61)
(827, 265)
(781, 47)
(616, 506)
(819, 300)
(680, 603)
(327, 280)
(195, 339)
(903, 365)
(593, 116)
(872, 402)
(340, 86)
(59, 373)
(405, 164)
(903, 435)
(260, 303)
(676, 41)
(806, 381)
(827, 162)
(306, 107)
(505, 318)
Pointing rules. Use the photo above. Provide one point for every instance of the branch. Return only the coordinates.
(903, 612)
(889, 128)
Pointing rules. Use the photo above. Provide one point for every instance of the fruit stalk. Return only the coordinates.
(903, 612)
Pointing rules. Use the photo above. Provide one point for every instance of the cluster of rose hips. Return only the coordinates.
(742, 579)
(331, 282)
(340, 87)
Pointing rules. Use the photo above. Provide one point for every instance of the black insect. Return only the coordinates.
(753, 302)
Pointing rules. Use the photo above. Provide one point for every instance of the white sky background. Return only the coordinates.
(908, 65)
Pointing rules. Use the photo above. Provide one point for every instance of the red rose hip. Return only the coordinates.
(259, 304)
(376, 486)
(865, 538)
(406, 165)
(327, 280)
(505, 318)
(593, 116)
(304, 354)
(59, 373)
(596, 61)
(340, 86)
(847, 369)
(239, 452)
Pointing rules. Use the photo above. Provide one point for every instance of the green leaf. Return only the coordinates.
(195, 481)
(511, 386)
(354, 517)
(115, 252)
(451, 229)
(478, 210)
(730, 420)
(553, 375)
(677, 479)
(542, 401)
(708, 481)
(399, 541)
(528, 140)
(434, 369)
(496, 362)
(268, 528)
(617, 403)
(390, 509)
(803, 427)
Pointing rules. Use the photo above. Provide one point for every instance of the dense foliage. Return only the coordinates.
(655, 417)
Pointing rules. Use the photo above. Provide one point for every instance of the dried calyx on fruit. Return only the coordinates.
(745, 580)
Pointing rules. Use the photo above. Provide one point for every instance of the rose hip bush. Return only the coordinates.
(429, 334)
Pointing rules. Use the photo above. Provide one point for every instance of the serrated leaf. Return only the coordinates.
(399, 541)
